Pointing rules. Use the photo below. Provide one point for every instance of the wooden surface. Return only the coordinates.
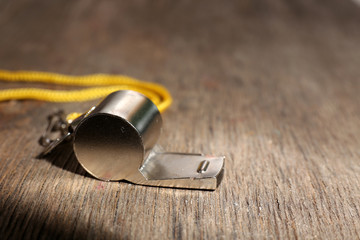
(272, 85)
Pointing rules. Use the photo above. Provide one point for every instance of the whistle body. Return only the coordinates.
(116, 140)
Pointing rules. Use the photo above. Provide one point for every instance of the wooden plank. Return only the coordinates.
(273, 86)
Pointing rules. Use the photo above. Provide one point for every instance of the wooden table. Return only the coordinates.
(272, 85)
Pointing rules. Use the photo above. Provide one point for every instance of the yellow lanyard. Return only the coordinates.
(102, 84)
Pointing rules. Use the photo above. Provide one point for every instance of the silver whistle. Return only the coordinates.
(116, 140)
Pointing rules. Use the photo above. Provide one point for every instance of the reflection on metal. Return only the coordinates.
(116, 141)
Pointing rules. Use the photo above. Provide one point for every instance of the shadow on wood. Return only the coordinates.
(63, 157)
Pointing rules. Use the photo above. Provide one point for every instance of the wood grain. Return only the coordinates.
(272, 85)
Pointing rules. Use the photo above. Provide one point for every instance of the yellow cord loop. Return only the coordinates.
(105, 84)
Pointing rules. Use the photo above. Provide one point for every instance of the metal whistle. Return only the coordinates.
(116, 140)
